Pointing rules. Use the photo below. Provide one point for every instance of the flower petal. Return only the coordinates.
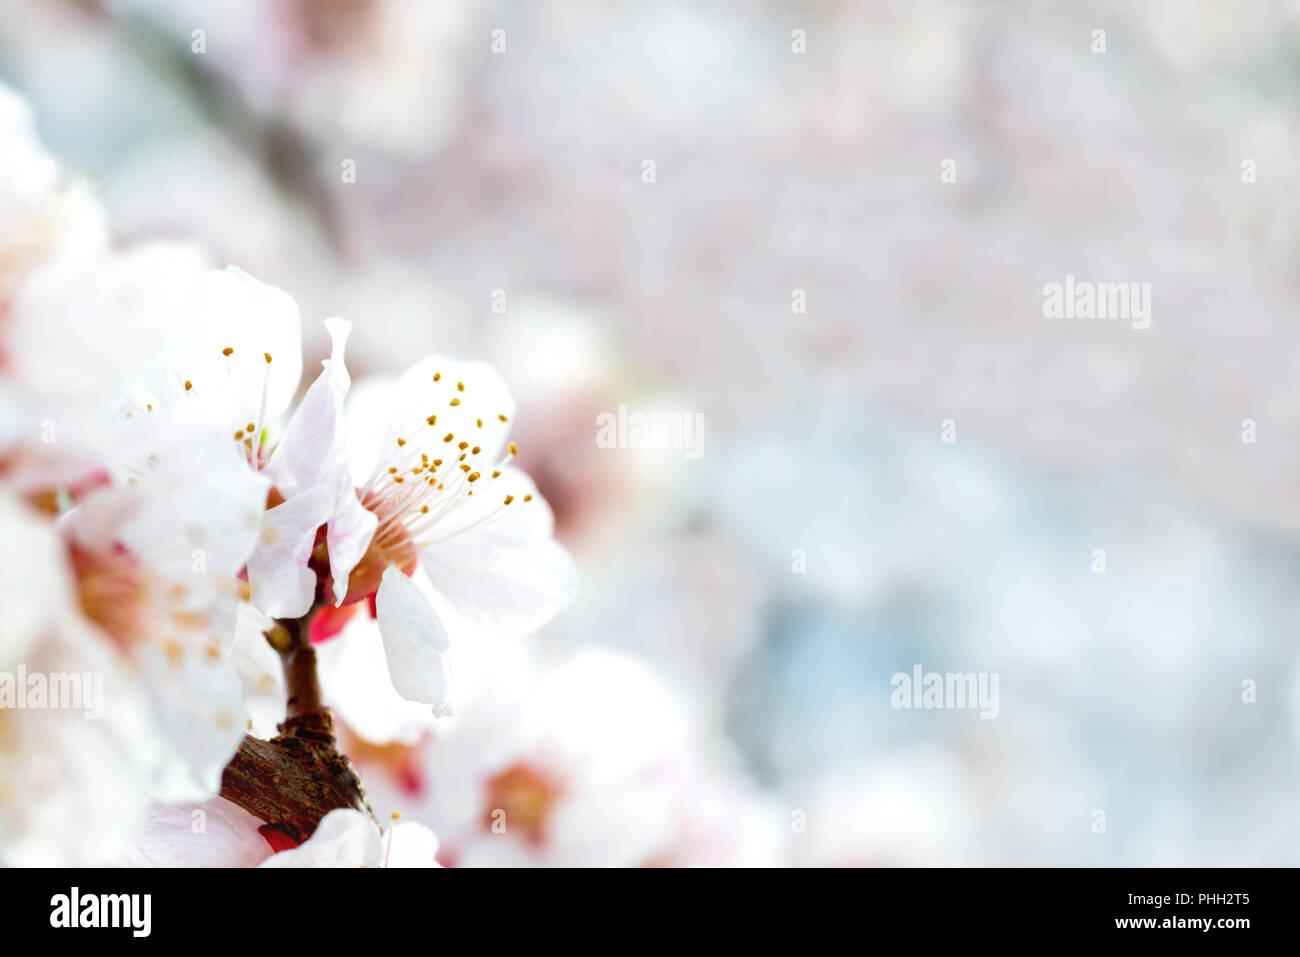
(507, 574)
(354, 675)
(410, 844)
(233, 311)
(314, 452)
(281, 583)
(415, 642)
(344, 838)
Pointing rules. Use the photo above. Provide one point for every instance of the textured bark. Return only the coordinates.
(296, 778)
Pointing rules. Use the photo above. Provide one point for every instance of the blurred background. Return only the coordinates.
(828, 536)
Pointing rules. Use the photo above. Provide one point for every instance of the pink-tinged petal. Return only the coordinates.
(214, 833)
(314, 446)
(351, 528)
(314, 452)
(344, 838)
(281, 583)
(415, 642)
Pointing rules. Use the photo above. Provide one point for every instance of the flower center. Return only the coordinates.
(134, 607)
(421, 481)
(527, 795)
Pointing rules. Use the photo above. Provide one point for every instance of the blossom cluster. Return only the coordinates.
(169, 490)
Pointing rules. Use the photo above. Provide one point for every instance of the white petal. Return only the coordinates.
(485, 397)
(281, 583)
(34, 582)
(198, 701)
(415, 642)
(410, 844)
(232, 310)
(314, 451)
(371, 422)
(198, 500)
(351, 527)
(507, 586)
(354, 676)
(213, 833)
(344, 838)
(520, 521)
(381, 410)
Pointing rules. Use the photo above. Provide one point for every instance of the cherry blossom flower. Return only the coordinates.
(431, 458)
(155, 564)
(61, 764)
(551, 768)
(239, 373)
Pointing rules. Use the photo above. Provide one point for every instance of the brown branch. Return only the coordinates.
(296, 778)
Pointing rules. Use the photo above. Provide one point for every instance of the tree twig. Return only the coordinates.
(296, 778)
